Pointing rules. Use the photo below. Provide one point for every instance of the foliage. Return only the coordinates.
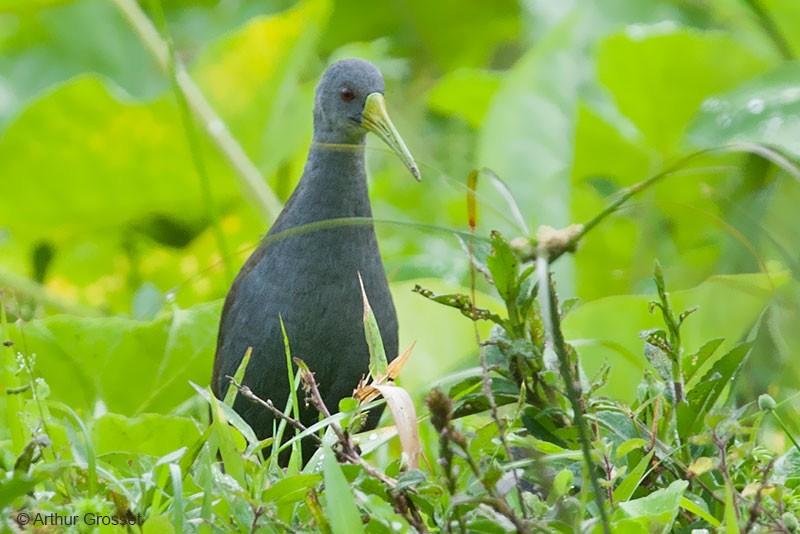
(632, 399)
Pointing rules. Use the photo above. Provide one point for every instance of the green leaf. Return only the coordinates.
(562, 484)
(765, 110)
(291, 489)
(222, 437)
(629, 484)
(701, 465)
(785, 15)
(465, 93)
(152, 434)
(702, 397)
(340, 505)
(158, 524)
(697, 510)
(693, 362)
(231, 391)
(160, 357)
(474, 29)
(629, 445)
(659, 508)
(503, 266)
(86, 129)
(16, 486)
(644, 67)
(54, 40)
(228, 415)
(527, 136)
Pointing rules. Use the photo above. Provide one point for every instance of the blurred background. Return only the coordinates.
(108, 248)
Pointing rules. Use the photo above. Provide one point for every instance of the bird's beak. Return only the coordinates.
(376, 120)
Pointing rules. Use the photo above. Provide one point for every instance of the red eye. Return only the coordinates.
(346, 94)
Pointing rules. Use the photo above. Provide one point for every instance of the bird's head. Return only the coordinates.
(349, 103)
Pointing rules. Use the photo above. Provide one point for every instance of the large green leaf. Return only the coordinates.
(765, 110)
(51, 41)
(659, 74)
(340, 505)
(658, 509)
(103, 161)
(465, 93)
(786, 16)
(607, 158)
(462, 44)
(131, 366)
(152, 434)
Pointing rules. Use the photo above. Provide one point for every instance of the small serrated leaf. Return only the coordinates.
(692, 362)
(503, 266)
(702, 397)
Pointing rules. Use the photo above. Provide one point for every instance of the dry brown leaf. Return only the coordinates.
(405, 419)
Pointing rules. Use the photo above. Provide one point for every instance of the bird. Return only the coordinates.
(310, 279)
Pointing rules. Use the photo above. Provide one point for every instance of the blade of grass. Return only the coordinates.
(91, 458)
(238, 376)
(377, 354)
(340, 505)
(177, 497)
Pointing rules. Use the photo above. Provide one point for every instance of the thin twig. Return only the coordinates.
(723, 468)
(247, 393)
(348, 452)
(769, 154)
(755, 508)
(552, 319)
(772, 29)
(495, 500)
(441, 408)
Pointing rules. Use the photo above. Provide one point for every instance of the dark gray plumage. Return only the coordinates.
(310, 279)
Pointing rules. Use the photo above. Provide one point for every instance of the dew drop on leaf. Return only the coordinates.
(789, 95)
(755, 106)
(724, 120)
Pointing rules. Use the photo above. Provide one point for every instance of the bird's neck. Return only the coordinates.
(333, 185)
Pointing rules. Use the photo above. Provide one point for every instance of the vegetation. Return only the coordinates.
(628, 366)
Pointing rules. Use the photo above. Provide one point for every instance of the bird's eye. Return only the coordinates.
(346, 94)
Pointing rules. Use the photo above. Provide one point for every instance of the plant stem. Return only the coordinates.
(253, 186)
(194, 142)
(769, 154)
(786, 429)
(769, 26)
(553, 322)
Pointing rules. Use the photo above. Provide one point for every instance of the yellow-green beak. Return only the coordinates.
(376, 120)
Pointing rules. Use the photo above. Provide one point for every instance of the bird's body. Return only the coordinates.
(310, 278)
